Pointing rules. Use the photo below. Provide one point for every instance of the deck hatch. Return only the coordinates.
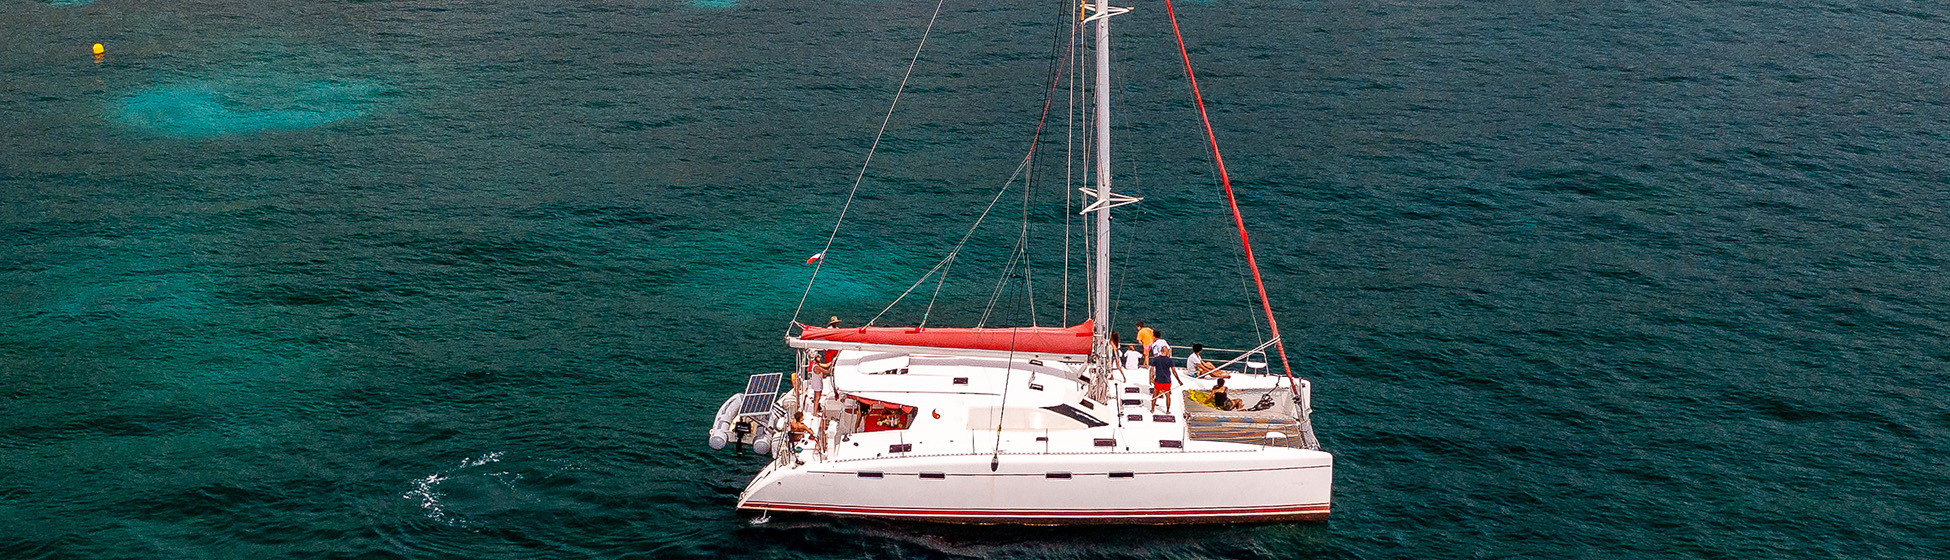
(1131, 389)
(1133, 402)
(1171, 443)
(1105, 442)
(1166, 418)
(900, 448)
(1076, 415)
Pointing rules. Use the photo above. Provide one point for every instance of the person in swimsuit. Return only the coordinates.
(1220, 399)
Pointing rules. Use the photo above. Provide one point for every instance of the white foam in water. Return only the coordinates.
(427, 490)
(429, 497)
(485, 459)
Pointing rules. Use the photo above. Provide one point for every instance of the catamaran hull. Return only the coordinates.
(1268, 485)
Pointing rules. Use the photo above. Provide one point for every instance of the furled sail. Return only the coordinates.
(1045, 340)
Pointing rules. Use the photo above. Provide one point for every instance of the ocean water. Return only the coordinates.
(427, 280)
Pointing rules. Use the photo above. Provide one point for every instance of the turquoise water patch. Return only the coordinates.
(212, 108)
(70, 2)
(714, 3)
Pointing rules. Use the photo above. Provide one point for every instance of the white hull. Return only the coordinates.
(1276, 484)
(1114, 460)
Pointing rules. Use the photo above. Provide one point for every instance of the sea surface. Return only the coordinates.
(420, 279)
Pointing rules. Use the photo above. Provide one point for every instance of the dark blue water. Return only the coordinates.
(427, 279)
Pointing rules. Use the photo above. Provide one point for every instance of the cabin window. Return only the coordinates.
(1122, 474)
(1062, 475)
(934, 475)
(871, 474)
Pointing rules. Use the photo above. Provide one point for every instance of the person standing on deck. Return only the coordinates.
(1161, 379)
(1144, 337)
(1158, 345)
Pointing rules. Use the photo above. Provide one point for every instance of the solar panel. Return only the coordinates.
(760, 391)
(767, 383)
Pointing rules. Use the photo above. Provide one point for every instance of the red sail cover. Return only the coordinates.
(1044, 340)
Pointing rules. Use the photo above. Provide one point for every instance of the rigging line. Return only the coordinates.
(1055, 76)
(964, 239)
(1019, 255)
(910, 289)
(1232, 201)
(1069, 155)
(1002, 406)
(1022, 170)
(857, 179)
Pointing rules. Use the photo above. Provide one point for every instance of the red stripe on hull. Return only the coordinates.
(1313, 512)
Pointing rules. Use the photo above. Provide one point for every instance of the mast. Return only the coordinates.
(1100, 289)
(1101, 12)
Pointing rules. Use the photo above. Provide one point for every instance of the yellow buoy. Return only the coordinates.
(99, 49)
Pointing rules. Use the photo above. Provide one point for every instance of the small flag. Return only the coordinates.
(815, 258)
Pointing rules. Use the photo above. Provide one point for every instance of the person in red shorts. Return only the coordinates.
(1161, 379)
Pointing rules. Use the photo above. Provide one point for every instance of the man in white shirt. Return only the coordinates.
(1158, 346)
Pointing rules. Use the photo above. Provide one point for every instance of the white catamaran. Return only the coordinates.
(1031, 425)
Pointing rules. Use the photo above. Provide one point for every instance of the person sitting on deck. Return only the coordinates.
(1161, 379)
(1195, 363)
(1132, 358)
(1220, 399)
(799, 429)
